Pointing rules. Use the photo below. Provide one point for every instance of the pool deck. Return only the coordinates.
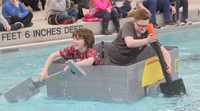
(42, 33)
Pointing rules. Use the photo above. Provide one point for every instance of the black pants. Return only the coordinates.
(178, 4)
(26, 20)
(13, 27)
(32, 3)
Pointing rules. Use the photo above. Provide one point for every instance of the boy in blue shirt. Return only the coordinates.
(14, 11)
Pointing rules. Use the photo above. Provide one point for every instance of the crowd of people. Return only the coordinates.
(129, 47)
(131, 43)
(64, 12)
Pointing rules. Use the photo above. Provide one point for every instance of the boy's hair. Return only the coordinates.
(87, 35)
(142, 14)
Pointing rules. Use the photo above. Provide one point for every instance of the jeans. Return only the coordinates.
(2, 27)
(123, 10)
(73, 13)
(105, 14)
(86, 2)
(13, 27)
(158, 5)
(67, 15)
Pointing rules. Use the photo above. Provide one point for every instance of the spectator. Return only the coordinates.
(60, 12)
(155, 6)
(82, 4)
(43, 4)
(4, 26)
(103, 9)
(32, 3)
(124, 9)
(14, 11)
(184, 4)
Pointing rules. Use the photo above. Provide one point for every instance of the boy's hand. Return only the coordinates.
(7, 27)
(42, 76)
(173, 10)
(66, 69)
(15, 2)
(109, 10)
(151, 38)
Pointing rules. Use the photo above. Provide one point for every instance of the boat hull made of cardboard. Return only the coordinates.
(112, 83)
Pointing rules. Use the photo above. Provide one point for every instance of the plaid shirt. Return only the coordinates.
(70, 53)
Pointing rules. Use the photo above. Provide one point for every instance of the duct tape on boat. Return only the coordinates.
(152, 72)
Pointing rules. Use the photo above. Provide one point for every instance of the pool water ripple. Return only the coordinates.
(19, 65)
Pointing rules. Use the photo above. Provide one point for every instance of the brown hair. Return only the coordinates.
(142, 14)
(87, 35)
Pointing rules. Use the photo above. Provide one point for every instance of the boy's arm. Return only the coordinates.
(3, 20)
(50, 59)
(167, 58)
(133, 43)
(24, 12)
(86, 62)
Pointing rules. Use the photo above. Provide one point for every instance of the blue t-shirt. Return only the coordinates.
(9, 10)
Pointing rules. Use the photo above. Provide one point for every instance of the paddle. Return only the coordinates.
(28, 88)
(170, 88)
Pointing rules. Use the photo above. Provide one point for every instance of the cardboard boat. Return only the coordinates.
(113, 83)
(29, 88)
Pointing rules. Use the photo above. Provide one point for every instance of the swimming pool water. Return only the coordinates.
(19, 65)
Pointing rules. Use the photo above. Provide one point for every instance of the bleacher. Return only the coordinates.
(41, 31)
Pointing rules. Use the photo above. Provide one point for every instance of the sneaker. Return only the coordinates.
(36, 9)
(30, 24)
(106, 32)
(72, 20)
(178, 23)
(120, 15)
(87, 6)
(19, 25)
(156, 26)
(188, 22)
(170, 23)
(63, 22)
(182, 24)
